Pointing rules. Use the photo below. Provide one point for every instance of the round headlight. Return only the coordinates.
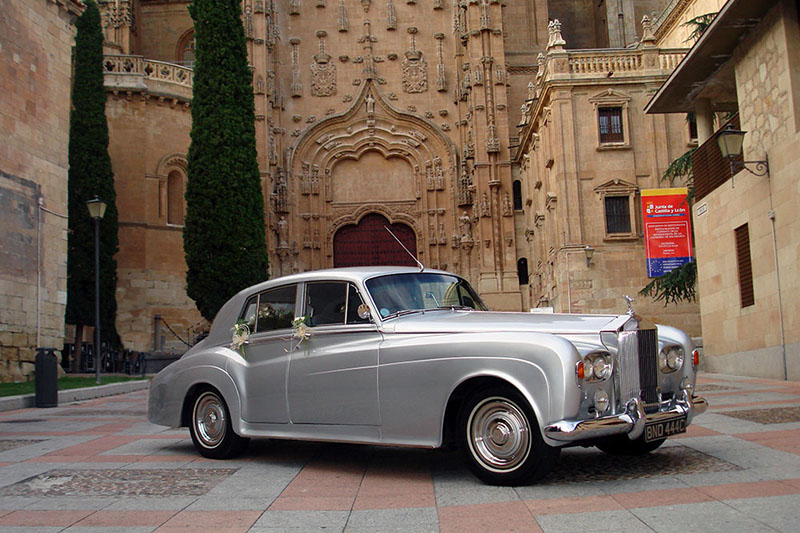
(662, 361)
(602, 368)
(601, 400)
(597, 367)
(675, 358)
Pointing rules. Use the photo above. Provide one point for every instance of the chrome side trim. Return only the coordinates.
(631, 422)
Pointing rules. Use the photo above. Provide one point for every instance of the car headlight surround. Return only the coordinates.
(598, 366)
(670, 359)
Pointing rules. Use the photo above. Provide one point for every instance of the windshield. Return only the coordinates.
(396, 293)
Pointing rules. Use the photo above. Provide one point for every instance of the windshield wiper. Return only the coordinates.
(403, 312)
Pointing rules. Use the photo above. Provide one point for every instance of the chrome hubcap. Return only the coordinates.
(499, 434)
(209, 420)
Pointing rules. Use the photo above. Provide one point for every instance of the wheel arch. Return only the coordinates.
(215, 379)
(473, 384)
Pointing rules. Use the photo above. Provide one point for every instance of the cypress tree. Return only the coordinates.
(90, 174)
(223, 236)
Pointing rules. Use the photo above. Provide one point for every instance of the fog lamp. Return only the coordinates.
(601, 400)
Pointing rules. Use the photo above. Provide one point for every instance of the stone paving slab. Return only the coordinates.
(97, 465)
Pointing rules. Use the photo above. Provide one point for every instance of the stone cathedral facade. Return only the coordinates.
(418, 115)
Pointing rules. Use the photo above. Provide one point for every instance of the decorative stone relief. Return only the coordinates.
(323, 71)
(344, 23)
(438, 174)
(507, 209)
(365, 4)
(260, 87)
(294, 7)
(485, 208)
(296, 88)
(415, 69)
(248, 21)
(391, 18)
(441, 76)
(305, 179)
(465, 225)
(320, 3)
(258, 7)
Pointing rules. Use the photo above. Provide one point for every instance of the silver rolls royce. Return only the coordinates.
(406, 357)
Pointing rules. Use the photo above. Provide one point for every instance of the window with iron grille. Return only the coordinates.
(618, 214)
(744, 266)
(610, 125)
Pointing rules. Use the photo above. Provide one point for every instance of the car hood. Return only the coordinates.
(455, 321)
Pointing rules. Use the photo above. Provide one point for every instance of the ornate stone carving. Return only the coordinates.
(344, 22)
(323, 70)
(485, 208)
(259, 84)
(441, 76)
(296, 88)
(465, 226)
(248, 21)
(258, 7)
(415, 69)
(391, 18)
(294, 7)
(282, 229)
(507, 209)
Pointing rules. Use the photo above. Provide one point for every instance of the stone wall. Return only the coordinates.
(36, 37)
(761, 339)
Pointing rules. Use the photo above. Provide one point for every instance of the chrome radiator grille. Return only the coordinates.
(638, 361)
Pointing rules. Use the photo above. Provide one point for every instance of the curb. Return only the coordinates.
(24, 401)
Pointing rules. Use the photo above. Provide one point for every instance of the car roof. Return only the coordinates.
(230, 311)
(343, 273)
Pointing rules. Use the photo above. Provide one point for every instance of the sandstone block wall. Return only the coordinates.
(36, 37)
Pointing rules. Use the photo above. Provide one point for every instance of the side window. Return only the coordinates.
(276, 308)
(326, 302)
(353, 301)
(618, 214)
(250, 313)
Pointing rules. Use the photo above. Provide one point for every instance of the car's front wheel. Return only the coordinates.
(501, 438)
(211, 428)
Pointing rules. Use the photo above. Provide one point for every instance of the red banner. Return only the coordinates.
(667, 230)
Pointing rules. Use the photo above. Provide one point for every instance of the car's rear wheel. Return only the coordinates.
(501, 439)
(211, 428)
(624, 446)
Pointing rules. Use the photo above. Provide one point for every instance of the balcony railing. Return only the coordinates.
(601, 62)
(129, 72)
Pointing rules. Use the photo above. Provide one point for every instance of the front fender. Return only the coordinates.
(419, 373)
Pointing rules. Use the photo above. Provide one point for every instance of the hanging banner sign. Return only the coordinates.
(667, 230)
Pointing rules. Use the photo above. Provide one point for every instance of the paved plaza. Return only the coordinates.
(98, 465)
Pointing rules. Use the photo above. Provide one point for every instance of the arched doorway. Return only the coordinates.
(369, 244)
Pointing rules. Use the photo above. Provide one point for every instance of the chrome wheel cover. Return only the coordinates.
(498, 433)
(210, 422)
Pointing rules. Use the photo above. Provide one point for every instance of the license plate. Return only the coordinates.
(664, 429)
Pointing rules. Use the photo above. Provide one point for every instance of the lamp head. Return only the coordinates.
(97, 207)
(730, 142)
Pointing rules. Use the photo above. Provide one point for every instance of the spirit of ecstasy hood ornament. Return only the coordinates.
(630, 301)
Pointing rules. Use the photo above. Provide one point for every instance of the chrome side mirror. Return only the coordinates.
(363, 312)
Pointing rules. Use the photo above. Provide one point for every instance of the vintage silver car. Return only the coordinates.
(405, 357)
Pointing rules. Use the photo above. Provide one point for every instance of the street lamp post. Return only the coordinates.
(97, 208)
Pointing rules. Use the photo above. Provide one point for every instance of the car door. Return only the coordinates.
(333, 373)
(269, 316)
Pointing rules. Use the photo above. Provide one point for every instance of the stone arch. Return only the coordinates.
(172, 161)
(373, 124)
(360, 212)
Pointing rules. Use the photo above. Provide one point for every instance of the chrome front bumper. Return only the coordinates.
(631, 422)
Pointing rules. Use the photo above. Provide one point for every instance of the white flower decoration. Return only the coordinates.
(241, 333)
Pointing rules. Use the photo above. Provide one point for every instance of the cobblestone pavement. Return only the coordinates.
(98, 465)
